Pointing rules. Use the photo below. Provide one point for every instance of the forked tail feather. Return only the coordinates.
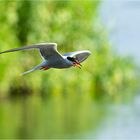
(33, 69)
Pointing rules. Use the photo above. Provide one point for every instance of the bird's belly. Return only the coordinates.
(60, 65)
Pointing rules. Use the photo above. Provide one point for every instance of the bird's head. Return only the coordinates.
(74, 62)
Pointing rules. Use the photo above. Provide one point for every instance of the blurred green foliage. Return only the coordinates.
(73, 25)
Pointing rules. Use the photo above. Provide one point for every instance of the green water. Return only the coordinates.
(56, 117)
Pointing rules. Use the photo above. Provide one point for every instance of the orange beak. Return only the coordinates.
(77, 64)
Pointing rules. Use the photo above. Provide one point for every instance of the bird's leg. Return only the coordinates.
(44, 68)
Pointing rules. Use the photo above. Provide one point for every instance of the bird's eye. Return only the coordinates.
(70, 58)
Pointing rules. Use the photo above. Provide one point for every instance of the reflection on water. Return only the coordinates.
(56, 117)
(122, 123)
(68, 117)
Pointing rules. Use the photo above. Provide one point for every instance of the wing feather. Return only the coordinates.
(47, 50)
(79, 55)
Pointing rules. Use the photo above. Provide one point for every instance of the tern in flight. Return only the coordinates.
(52, 58)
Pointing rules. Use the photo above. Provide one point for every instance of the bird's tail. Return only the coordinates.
(33, 69)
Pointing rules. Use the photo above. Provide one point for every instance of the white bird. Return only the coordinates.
(52, 58)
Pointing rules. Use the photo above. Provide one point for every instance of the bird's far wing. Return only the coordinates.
(47, 50)
(79, 55)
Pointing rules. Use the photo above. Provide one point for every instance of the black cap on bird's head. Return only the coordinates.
(71, 59)
(75, 62)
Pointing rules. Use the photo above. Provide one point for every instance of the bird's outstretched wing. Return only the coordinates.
(79, 55)
(47, 50)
